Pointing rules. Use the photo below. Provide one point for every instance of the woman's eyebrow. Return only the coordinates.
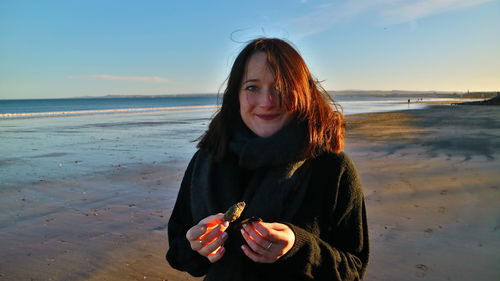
(250, 80)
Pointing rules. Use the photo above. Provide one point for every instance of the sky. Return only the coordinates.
(69, 48)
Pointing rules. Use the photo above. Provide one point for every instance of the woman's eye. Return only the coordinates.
(251, 88)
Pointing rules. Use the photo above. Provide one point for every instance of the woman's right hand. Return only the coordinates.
(208, 237)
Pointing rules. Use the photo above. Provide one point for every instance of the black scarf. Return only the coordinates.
(269, 174)
(266, 173)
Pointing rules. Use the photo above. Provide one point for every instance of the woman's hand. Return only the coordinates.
(267, 242)
(208, 237)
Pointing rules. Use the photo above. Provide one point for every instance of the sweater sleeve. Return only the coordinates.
(341, 251)
(180, 255)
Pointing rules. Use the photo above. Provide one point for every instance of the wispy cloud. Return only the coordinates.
(324, 16)
(386, 12)
(152, 79)
(404, 11)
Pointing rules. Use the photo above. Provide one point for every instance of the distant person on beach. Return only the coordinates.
(276, 144)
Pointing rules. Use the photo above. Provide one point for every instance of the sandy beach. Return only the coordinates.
(430, 179)
(431, 185)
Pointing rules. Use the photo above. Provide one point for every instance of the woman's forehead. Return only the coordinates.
(257, 60)
(258, 66)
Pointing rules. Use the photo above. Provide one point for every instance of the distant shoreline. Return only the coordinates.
(415, 94)
(492, 101)
(340, 93)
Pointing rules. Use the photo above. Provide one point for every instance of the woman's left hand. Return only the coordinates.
(267, 242)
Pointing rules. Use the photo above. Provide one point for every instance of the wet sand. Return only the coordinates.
(431, 184)
(109, 227)
(432, 187)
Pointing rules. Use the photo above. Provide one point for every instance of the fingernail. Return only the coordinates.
(244, 225)
(225, 224)
(243, 231)
(224, 235)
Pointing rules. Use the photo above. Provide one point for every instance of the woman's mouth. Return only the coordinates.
(268, 117)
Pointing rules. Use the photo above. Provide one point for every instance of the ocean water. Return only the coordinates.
(42, 149)
(84, 106)
(64, 139)
(11, 109)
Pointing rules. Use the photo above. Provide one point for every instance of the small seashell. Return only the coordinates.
(234, 212)
(251, 219)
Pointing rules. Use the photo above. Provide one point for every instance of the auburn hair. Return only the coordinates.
(299, 93)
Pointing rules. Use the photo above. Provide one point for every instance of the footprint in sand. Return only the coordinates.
(443, 192)
(442, 209)
(422, 269)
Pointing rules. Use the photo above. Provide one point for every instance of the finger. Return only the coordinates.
(195, 232)
(259, 240)
(213, 220)
(209, 249)
(217, 255)
(264, 229)
(208, 236)
(254, 246)
(196, 245)
(273, 232)
(214, 233)
(252, 255)
(281, 235)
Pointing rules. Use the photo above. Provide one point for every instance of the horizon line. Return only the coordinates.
(216, 94)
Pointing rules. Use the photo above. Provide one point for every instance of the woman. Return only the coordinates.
(275, 144)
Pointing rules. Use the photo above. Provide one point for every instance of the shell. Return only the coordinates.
(251, 219)
(234, 212)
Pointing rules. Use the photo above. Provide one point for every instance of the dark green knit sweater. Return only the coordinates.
(330, 226)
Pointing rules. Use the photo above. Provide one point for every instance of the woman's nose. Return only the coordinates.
(267, 98)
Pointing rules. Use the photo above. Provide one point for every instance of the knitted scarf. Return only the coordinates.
(266, 173)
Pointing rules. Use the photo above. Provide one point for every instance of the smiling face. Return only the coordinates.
(260, 105)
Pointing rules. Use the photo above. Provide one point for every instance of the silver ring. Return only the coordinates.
(269, 246)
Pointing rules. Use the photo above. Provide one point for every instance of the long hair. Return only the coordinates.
(299, 94)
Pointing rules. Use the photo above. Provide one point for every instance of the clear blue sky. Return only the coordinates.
(53, 49)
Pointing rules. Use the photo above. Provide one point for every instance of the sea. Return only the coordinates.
(33, 108)
(66, 139)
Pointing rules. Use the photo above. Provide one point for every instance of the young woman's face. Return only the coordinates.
(260, 106)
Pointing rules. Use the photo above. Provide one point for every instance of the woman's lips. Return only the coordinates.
(268, 116)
